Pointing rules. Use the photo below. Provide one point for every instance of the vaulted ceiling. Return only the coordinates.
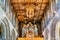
(29, 9)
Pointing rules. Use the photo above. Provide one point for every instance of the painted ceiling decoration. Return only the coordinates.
(29, 9)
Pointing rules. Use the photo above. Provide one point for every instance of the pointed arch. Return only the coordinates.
(57, 31)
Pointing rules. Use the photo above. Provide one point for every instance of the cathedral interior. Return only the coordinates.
(29, 19)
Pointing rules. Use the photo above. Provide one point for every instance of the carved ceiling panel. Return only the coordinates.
(29, 9)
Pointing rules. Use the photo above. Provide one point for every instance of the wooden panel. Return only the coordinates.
(13, 1)
(20, 11)
(30, 38)
(43, 6)
(21, 18)
(45, 1)
(27, 1)
(20, 14)
(39, 1)
(33, 0)
(16, 6)
(38, 7)
(41, 11)
(21, 6)
(20, 1)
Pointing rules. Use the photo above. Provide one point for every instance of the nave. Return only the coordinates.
(29, 19)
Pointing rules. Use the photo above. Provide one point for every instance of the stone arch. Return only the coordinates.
(57, 31)
(7, 28)
(53, 25)
(2, 25)
(13, 35)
